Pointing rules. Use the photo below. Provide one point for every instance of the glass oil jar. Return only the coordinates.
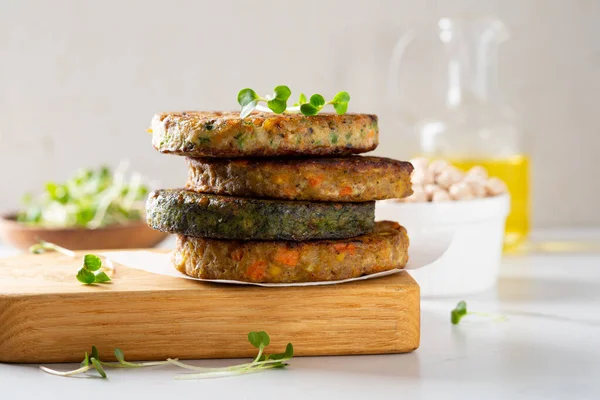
(475, 126)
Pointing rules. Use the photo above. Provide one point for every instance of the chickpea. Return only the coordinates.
(421, 177)
(440, 195)
(430, 189)
(420, 163)
(437, 166)
(477, 173)
(440, 181)
(418, 195)
(449, 176)
(477, 188)
(495, 186)
(460, 191)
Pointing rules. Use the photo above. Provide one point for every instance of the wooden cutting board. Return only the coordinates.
(46, 315)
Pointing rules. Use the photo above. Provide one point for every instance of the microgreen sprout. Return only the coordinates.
(42, 247)
(301, 100)
(93, 362)
(261, 362)
(317, 102)
(277, 102)
(460, 311)
(91, 271)
(90, 198)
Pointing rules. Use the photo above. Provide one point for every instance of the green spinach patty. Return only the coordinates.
(212, 216)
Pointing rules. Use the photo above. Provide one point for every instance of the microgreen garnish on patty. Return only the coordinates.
(277, 102)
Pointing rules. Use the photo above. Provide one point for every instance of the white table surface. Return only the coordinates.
(547, 348)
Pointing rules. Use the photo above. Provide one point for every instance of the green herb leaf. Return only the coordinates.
(102, 277)
(119, 355)
(301, 100)
(255, 339)
(458, 312)
(86, 360)
(282, 92)
(455, 317)
(92, 262)
(246, 96)
(317, 100)
(289, 351)
(264, 338)
(278, 104)
(94, 353)
(248, 99)
(259, 339)
(340, 102)
(316, 104)
(98, 367)
(309, 110)
(86, 276)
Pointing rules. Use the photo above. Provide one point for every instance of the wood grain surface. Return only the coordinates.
(46, 315)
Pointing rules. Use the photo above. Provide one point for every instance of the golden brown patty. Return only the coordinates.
(342, 179)
(225, 134)
(286, 262)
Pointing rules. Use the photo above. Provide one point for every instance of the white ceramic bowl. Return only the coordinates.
(472, 262)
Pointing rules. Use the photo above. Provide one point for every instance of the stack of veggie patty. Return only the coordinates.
(279, 198)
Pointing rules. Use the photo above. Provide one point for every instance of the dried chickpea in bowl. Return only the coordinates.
(437, 181)
(437, 212)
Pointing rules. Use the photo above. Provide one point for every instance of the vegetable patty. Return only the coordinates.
(223, 217)
(286, 262)
(225, 134)
(345, 179)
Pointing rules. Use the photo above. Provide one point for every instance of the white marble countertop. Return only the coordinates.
(547, 348)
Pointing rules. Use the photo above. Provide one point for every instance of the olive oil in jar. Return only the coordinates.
(514, 171)
(472, 124)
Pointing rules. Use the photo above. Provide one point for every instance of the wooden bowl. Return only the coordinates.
(128, 236)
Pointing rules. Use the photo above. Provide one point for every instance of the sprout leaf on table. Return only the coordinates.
(460, 311)
(261, 362)
(92, 270)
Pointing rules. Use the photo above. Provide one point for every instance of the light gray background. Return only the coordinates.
(80, 80)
